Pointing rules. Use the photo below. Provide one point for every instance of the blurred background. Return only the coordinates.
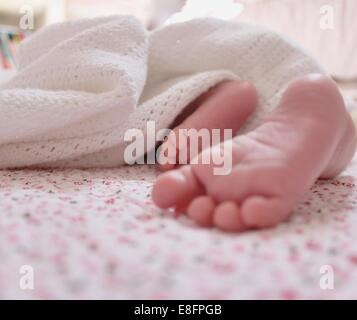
(326, 28)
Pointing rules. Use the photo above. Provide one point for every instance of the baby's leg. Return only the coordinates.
(309, 135)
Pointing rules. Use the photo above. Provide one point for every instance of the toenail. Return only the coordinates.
(177, 176)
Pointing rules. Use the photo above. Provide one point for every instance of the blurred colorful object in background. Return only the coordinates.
(10, 39)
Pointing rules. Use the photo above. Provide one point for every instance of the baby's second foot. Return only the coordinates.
(225, 106)
(309, 135)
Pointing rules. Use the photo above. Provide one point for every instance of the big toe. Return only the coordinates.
(176, 188)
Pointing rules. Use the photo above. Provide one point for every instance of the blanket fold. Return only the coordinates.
(81, 85)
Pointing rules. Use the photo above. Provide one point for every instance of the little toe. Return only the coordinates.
(227, 217)
(176, 189)
(261, 212)
(201, 211)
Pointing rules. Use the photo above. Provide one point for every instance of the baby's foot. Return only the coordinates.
(225, 106)
(309, 135)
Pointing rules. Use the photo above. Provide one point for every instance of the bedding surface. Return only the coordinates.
(96, 234)
(82, 85)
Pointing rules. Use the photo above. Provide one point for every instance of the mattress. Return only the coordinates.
(96, 234)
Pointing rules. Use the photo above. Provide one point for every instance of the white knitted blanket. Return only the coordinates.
(81, 85)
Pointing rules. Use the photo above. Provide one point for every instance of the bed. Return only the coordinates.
(96, 234)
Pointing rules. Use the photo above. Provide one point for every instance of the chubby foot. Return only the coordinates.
(224, 107)
(309, 135)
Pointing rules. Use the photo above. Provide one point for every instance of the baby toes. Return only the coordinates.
(227, 217)
(262, 212)
(201, 211)
(176, 189)
(214, 117)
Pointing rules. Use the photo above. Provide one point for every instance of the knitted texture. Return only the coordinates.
(81, 85)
